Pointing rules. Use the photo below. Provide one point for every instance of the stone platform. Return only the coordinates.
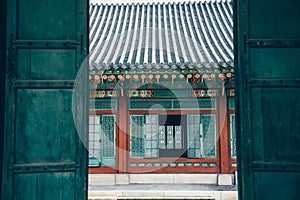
(162, 186)
(125, 179)
(163, 191)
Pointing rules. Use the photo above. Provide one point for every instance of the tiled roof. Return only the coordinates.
(177, 35)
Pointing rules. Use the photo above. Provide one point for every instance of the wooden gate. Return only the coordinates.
(44, 157)
(268, 99)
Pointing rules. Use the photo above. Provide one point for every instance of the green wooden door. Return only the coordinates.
(44, 157)
(268, 70)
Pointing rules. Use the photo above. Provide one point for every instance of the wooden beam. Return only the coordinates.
(224, 135)
(123, 136)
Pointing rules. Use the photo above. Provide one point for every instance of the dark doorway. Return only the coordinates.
(172, 136)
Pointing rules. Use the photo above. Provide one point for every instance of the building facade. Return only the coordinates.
(161, 88)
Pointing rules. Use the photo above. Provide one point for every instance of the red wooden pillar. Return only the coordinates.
(123, 136)
(224, 135)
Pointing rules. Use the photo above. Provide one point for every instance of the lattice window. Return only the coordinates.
(170, 139)
(193, 129)
(108, 130)
(144, 136)
(208, 132)
(232, 136)
(201, 136)
(94, 140)
(178, 137)
(102, 133)
(151, 136)
(162, 137)
(137, 136)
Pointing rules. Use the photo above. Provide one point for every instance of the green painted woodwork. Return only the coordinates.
(277, 184)
(172, 93)
(44, 156)
(61, 67)
(280, 21)
(102, 140)
(137, 143)
(274, 63)
(144, 136)
(231, 104)
(267, 99)
(108, 140)
(208, 132)
(144, 104)
(47, 20)
(232, 136)
(283, 134)
(176, 104)
(151, 136)
(35, 131)
(193, 131)
(198, 104)
(103, 104)
(94, 140)
(201, 132)
(42, 185)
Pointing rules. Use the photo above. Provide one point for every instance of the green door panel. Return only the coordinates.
(56, 186)
(44, 152)
(25, 186)
(34, 21)
(276, 137)
(276, 183)
(62, 65)
(44, 186)
(268, 93)
(45, 130)
(274, 63)
(274, 19)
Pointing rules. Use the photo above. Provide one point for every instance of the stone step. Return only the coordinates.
(151, 198)
(123, 179)
(169, 194)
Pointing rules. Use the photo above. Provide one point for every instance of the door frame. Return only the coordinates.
(4, 67)
(3, 17)
(3, 28)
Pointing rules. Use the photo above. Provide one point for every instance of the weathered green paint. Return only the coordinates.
(2, 82)
(44, 157)
(268, 92)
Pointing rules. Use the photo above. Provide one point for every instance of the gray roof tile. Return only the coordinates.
(162, 36)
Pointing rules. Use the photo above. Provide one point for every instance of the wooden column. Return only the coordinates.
(224, 135)
(123, 136)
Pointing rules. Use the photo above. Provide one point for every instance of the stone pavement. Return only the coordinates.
(163, 191)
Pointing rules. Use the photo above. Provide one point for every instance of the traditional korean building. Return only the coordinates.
(161, 88)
